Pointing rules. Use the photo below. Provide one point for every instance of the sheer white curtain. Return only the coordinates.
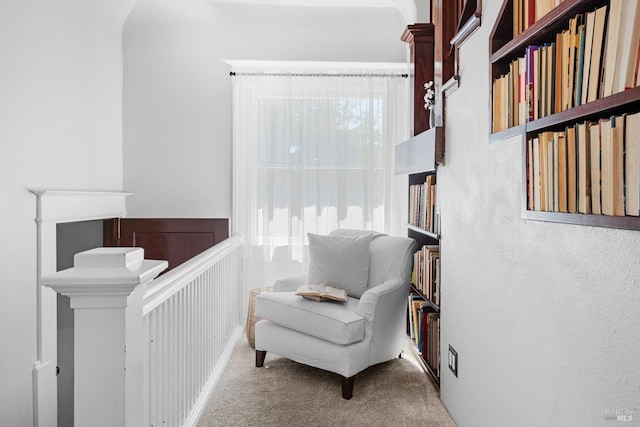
(313, 153)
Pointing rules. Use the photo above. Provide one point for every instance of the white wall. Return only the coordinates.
(545, 317)
(177, 90)
(60, 128)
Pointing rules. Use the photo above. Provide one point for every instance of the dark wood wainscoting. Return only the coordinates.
(171, 239)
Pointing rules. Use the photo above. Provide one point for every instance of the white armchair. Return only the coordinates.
(348, 337)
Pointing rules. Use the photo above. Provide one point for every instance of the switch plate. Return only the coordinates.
(453, 361)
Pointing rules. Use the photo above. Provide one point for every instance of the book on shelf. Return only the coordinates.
(412, 329)
(629, 31)
(572, 46)
(518, 17)
(416, 306)
(611, 46)
(579, 70)
(632, 164)
(536, 174)
(637, 71)
(424, 323)
(530, 192)
(542, 83)
(585, 65)
(612, 158)
(322, 293)
(596, 55)
(547, 170)
(561, 181)
(555, 172)
(542, 177)
(617, 161)
(431, 354)
(529, 77)
(535, 84)
(583, 167)
(594, 143)
(572, 164)
(596, 52)
(589, 168)
(512, 105)
(523, 109)
(561, 60)
(551, 79)
(606, 167)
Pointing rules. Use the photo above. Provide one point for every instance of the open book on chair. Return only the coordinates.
(322, 293)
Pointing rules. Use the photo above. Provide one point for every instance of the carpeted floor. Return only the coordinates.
(286, 393)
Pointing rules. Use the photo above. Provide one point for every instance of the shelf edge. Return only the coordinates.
(619, 222)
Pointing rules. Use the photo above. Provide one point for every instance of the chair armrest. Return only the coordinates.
(393, 292)
(290, 284)
(384, 308)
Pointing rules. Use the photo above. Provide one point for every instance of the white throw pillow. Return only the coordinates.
(340, 261)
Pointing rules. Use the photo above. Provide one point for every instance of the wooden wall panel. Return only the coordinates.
(171, 239)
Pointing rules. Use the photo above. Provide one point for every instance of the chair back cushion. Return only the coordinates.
(389, 256)
(340, 261)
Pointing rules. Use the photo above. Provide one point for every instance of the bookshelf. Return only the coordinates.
(423, 319)
(537, 108)
(418, 159)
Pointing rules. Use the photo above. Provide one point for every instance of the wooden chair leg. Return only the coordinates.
(347, 387)
(260, 355)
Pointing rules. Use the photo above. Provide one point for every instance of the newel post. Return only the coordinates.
(106, 286)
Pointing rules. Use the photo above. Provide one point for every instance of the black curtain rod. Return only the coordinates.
(232, 73)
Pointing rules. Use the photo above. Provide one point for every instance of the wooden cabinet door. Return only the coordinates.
(170, 239)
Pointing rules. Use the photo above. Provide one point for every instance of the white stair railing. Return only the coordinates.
(190, 317)
(149, 352)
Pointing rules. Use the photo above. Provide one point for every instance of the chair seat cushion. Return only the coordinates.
(332, 321)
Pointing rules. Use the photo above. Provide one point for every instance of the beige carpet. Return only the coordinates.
(286, 393)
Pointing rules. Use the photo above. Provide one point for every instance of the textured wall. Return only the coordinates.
(545, 317)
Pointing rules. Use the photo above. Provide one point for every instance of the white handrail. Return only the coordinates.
(170, 283)
(191, 319)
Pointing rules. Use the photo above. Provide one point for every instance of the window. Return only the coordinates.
(313, 153)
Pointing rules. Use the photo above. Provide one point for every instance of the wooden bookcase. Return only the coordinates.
(433, 48)
(504, 48)
(419, 156)
(430, 336)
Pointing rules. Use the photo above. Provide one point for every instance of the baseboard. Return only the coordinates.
(45, 391)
